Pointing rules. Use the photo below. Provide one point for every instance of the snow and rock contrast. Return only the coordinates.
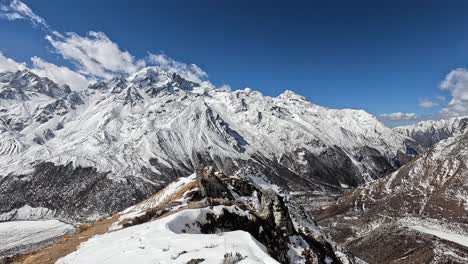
(208, 217)
(417, 214)
(89, 153)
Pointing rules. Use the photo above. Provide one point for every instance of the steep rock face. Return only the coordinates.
(155, 126)
(429, 133)
(211, 185)
(423, 206)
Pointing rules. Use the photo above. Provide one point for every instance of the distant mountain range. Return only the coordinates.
(428, 133)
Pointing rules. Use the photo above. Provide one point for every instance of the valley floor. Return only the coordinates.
(17, 236)
(66, 245)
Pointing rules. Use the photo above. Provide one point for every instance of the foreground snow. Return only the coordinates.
(21, 234)
(172, 239)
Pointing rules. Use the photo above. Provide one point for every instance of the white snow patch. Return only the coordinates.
(456, 238)
(343, 185)
(296, 249)
(162, 241)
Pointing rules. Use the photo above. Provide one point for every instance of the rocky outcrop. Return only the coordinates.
(211, 185)
(269, 220)
(244, 206)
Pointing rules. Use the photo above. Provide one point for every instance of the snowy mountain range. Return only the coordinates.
(428, 133)
(84, 154)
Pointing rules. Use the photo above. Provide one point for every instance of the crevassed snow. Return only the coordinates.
(20, 234)
(164, 241)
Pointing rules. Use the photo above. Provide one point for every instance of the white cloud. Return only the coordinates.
(398, 116)
(456, 83)
(427, 103)
(59, 74)
(15, 10)
(7, 64)
(190, 72)
(95, 54)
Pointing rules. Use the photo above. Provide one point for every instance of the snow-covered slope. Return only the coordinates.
(209, 218)
(428, 195)
(163, 241)
(428, 133)
(128, 137)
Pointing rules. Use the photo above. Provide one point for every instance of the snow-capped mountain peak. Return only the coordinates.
(21, 85)
(288, 94)
(155, 126)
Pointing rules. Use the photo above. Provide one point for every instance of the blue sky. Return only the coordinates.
(382, 57)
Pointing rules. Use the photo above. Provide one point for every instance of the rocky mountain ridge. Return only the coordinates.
(429, 133)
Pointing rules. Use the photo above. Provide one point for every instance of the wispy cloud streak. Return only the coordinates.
(17, 10)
